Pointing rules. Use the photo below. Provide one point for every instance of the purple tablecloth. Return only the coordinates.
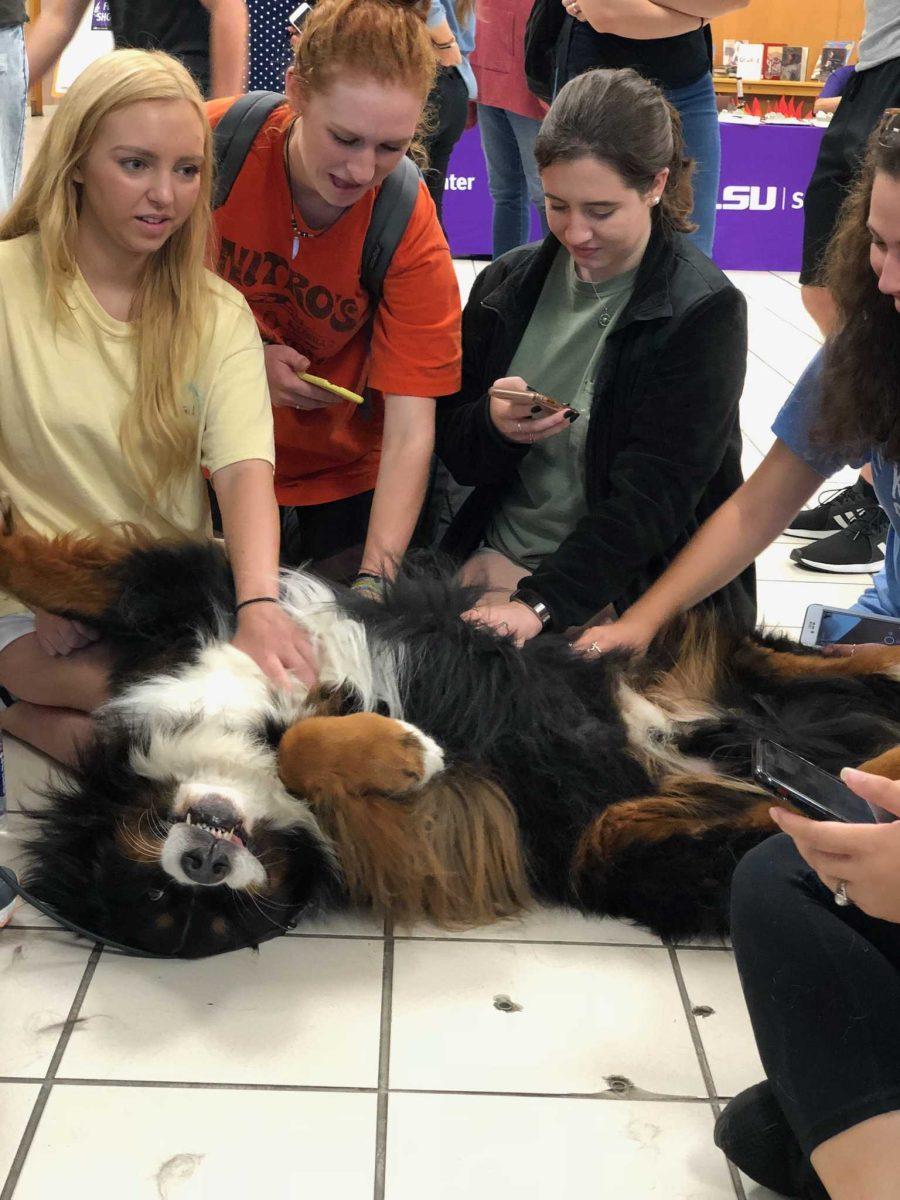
(765, 170)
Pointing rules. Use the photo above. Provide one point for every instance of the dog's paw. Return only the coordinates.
(363, 753)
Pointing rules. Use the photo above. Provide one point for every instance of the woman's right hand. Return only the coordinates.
(617, 635)
(518, 421)
(284, 365)
(58, 636)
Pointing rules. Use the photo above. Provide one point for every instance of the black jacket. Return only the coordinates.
(663, 445)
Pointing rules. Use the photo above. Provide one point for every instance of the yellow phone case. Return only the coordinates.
(344, 393)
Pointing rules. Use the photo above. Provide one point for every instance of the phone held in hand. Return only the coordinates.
(328, 386)
(825, 626)
(298, 16)
(809, 788)
(530, 397)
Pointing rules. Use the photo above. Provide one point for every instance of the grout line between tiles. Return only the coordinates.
(705, 1070)
(384, 1061)
(344, 1090)
(453, 941)
(780, 374)
(40, 1103)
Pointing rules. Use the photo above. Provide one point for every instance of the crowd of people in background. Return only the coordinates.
(577, 425)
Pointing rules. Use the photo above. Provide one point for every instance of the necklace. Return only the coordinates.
(297, 232)
(604, 316)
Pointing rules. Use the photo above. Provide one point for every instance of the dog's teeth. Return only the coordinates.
(187, 819)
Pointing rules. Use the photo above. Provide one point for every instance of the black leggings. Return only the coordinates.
(822, 984)
(328, 538)
(449, 103)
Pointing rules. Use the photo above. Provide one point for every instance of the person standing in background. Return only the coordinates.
(451, 26)
(509, 118)
(208, 36)
(672, 46)
(13, 95)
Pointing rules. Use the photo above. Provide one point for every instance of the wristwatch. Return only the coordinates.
(533, 601)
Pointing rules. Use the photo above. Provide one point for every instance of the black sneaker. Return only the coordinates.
(836, 510)
(753, 1133)
(859, 547)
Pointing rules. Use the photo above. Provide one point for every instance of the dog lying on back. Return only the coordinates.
(435, 772)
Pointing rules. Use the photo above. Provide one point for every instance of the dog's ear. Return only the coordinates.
(360, 754)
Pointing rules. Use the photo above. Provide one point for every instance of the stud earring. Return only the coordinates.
(655, 200)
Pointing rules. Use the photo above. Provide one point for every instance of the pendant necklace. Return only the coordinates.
(297, 232)
(604, 316)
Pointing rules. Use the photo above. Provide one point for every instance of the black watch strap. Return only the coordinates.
(533, 601)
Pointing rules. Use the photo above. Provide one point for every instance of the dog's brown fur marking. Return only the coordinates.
(653, 819)
(63, 574)
(886, 764)
(336, 757)
(866, 660)
(450, 853)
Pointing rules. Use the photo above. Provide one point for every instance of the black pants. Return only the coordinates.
(822, 984)
(327, 538)
(868, 94)
(448, 104)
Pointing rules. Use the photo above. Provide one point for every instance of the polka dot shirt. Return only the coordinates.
(269, 43)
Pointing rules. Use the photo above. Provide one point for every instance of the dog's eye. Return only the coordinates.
(155, 894)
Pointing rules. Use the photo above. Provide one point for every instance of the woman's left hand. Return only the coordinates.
(277, 645)
(573, 8)
(509, 620)
(864, 857)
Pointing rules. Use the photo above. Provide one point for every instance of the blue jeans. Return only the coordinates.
(700, 121)
(513, 180)
(13, 95)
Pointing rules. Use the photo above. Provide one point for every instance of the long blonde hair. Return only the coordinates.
(168, 307)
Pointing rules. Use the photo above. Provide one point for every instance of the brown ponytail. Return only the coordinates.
(626, 122)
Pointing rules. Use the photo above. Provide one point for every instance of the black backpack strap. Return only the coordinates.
(391, 212)
(233, 137)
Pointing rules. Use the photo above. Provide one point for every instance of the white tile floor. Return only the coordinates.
(352, 1063)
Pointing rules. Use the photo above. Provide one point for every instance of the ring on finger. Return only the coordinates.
(518, 426)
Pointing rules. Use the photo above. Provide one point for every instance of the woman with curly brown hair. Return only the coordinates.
(627, 325)
(816, 914)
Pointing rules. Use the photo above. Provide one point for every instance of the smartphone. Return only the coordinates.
(823, 626)
(344, 393)
(810, 788)
(547, 403)
(298, 16)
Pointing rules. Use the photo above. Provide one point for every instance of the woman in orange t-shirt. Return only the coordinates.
(350, 479)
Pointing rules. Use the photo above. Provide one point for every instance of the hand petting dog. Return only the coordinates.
(277, 645)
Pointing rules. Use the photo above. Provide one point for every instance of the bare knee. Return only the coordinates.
(59, 732)
(79, 680)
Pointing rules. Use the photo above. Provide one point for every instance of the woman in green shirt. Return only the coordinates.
(642, 340)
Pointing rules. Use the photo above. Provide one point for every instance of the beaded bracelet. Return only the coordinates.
(256, 600)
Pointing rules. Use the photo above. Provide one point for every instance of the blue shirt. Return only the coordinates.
(793, 426)
(440, 10)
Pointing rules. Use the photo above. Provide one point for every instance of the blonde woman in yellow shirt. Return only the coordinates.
(125, 369)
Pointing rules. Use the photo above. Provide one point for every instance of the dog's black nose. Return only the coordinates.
(207, 864)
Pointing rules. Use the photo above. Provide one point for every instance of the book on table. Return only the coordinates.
(833, 55)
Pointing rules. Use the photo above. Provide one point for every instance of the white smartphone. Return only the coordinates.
(298, 16)
(823, 626)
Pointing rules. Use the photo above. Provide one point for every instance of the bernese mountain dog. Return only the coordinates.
(435, 771)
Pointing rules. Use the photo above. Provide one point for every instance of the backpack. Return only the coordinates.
(396, 199)
(547, 33)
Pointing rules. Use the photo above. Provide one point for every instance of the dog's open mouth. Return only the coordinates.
(217, 818)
